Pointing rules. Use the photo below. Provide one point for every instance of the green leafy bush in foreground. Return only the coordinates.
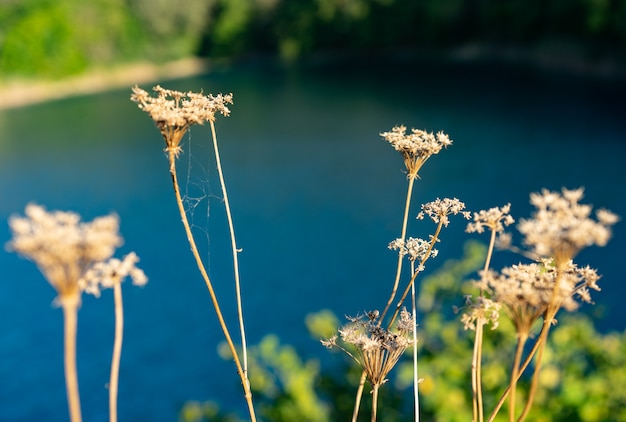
(583, 378)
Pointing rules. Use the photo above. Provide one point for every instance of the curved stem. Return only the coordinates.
(205, 276)
(405, 219)
(70, 318)
(117, 352)
(507, 391)
(415, 273)
(235, 251)
(521, 341)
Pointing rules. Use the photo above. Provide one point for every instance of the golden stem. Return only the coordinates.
(515, 372)
(405, 220)
(117, 352)
(359, 394)
(205, 276)
(70, 310)
(374, 402)
(235, 252)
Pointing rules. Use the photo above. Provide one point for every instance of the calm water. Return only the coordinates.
(316, 197)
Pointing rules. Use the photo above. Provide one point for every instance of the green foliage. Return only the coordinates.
(57, 38)
(583, 377)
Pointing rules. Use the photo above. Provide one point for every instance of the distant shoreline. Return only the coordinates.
(22, 93)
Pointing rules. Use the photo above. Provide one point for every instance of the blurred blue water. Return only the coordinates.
(316, 197)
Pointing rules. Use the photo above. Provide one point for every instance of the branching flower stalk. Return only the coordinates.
(376, 349)
(494, 220)
(557, 231)
(110, 275)
(64, 249)
(416, 148)
(174, 112)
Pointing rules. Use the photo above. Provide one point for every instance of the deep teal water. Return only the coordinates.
(316, 197)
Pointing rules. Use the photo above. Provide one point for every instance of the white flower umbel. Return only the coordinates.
(65, 249)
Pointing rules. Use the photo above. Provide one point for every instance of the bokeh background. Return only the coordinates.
(531, 92)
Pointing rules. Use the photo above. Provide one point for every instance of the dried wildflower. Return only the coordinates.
(439, 209)
(417, 249)
(63, 247)
(108, 274)
(526, 290)
(377, 349)
(493, 219)
(174, 111)
(482, 310)
(561, 226)
(416, 147)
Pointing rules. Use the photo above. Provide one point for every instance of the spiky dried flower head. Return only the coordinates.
(494, 219)
(174, 112)
(416, 147)
(561, 226)
(526, 290)
(63, 247)
(439, 210)
(114, 271)
(377, 349)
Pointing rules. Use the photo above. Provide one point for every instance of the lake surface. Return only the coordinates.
(316, 197)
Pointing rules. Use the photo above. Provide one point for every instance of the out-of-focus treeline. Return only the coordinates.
(55, 38)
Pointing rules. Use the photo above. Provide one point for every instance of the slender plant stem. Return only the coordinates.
(70, 317)
(235, 251)
(521, 341)
(477, 389)
(405, 220)
(415, 374)
(205, 276)
(543, 339)
(548, 317)
(396, 282)
(477, 405)
(359, 394)
(374, 402)
(117, 352)
(415, 273)
(507, 391)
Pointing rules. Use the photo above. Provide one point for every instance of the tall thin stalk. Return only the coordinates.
(477, 390)
(117, 352)
(374, 402)
(70, 311)
(242, 374)
(416, 381)
(235, 251)
(515, 373)
(405, 220)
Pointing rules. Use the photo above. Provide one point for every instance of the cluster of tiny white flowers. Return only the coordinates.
(494, 219)
(483, 310)
(417, 146)
(561, 226)
(378, 349)
(439, 210)
(528, 289)
(417, 249)
(174, 111)
(114, 271)
(62, 246)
